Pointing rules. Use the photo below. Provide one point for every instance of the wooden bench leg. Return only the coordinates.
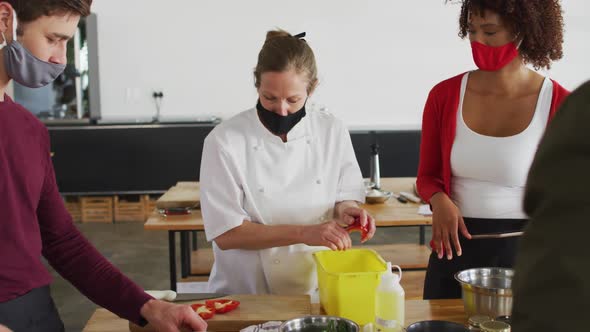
(185, 253)
(172, 259)
(422, 234)
(194, 241)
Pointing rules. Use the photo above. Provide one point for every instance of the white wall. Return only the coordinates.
(377, 58)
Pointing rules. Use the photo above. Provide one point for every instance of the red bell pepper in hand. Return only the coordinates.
(203, 310)
(222, 306)
(356, 227)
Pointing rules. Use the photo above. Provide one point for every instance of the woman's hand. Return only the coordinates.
(447, 221)
(329, 234)
(348, 215)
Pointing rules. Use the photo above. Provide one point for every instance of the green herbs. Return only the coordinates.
(337, 326)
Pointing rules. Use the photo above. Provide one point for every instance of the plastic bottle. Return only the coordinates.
(390, 302)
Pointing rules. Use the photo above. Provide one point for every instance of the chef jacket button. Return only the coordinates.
(276, 261)
(318, 181)
(256, 148)
(308, 141)
(261, 190)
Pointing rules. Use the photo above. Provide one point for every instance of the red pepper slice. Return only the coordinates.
(203, 310)
(356, 227)
(223, 305)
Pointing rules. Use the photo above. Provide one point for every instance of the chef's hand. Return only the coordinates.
(169, 317)
(447, 221)
(4, 329)
(329, 234)
(348, 214)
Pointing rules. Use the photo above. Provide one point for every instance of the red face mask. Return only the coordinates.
(490, 58)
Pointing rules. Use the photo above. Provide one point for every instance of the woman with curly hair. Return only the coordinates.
(480, 131)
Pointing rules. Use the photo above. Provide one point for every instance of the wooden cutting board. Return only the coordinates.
(253, 309)
(183, 194)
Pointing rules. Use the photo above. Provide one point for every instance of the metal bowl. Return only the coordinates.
(486, 291)
(319, 324)
(436, 326)
(385, 195)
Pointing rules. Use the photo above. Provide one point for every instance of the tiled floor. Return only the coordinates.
(143, 256)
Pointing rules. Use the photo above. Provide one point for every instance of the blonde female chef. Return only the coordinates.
(279, 182)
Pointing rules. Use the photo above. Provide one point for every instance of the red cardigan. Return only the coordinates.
(439, 123)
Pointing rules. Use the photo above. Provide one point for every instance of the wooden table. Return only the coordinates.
(416, 310)
(392, 213)
(185, 226)
(389, 214)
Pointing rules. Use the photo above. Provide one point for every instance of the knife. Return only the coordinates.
(172, 296)
(399, 198)
(496, 235)
(197, 296)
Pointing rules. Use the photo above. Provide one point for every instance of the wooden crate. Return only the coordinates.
(74, 207)
(130, 208)
(97, 209)
(150, 204)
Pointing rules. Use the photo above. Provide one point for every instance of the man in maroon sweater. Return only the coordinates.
(33, 219)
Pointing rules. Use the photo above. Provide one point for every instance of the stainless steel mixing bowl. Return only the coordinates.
(487, 291)
(319, 324)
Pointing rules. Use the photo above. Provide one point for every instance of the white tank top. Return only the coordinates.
(489, 173)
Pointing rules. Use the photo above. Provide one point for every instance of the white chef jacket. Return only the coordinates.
(248, 173)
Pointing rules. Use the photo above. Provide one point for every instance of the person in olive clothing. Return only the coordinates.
(552, 279)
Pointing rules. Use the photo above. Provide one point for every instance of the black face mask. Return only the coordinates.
(279, 124)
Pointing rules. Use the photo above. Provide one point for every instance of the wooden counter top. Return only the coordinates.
(416, 310)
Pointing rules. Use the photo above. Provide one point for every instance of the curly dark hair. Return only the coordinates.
(539, 23)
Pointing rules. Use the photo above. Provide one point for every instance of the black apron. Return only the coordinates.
(32, 312)
(440, 280)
